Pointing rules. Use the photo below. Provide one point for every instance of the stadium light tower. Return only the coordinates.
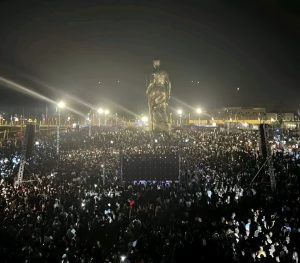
(272, 122)
(199, 111)
(144, 119)
(89, 120)
(100, 112)
(180, 112)
(60, 105)
(106, 113)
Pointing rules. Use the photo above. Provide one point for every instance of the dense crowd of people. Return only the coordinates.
(79, 209)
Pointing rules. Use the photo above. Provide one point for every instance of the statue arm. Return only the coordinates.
(149, 88)
(168, 87)
(151, 84)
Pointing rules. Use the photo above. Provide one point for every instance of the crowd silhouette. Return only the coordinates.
(79, 209)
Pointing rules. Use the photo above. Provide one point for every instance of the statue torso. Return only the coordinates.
(160, 78)
(158, 89)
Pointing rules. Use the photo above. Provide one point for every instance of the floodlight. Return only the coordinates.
(61, 104)
(199, 110)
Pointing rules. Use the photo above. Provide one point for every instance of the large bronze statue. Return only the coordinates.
(158, 92)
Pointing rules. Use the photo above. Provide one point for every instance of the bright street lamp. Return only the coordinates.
(100, 111)
(61, 104)
(144, 119)
(179, 112)
(106, 112)
(199, 111)
(272, 122)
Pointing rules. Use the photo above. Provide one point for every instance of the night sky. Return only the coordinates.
(68, 47)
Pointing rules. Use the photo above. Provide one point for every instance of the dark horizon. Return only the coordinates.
(223, 45)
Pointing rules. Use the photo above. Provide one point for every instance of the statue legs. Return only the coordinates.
(159, 119)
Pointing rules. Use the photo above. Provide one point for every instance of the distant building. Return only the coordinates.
(241, 113)
(251, 115)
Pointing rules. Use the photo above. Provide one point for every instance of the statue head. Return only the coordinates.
(156, 63)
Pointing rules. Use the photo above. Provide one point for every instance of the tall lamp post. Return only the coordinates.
(116, 116)
(199, 111)
(89, 120)
(100, 112)
(106, 112)
(179, 112)
(60, 106)
(272, 123)
(145, 121)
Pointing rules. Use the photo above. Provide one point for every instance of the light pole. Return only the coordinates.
(60, 106)
(89, 119)
(106, 112)
(272, 122)
(100, 111)
(199, 111)
(179, 112)
(145, 121)
(212, 120)
(90, 126)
